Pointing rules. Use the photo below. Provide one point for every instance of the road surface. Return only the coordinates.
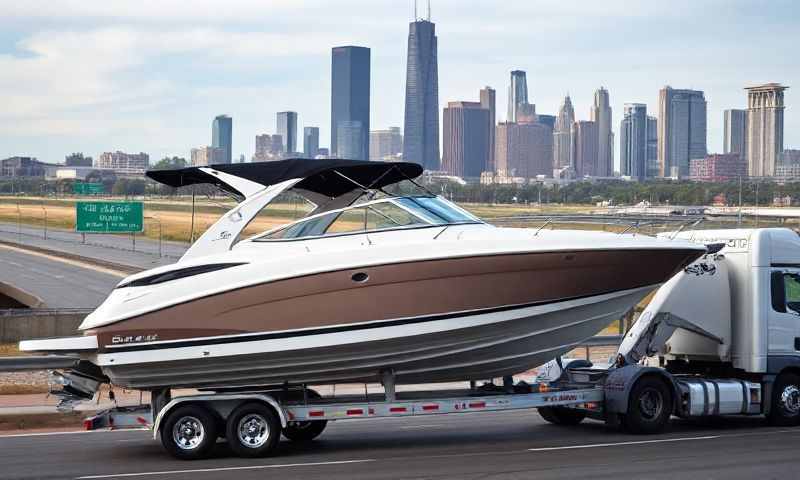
(516, 445)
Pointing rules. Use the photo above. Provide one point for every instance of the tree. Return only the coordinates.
(168, 163)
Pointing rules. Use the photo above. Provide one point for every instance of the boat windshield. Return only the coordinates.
(384, 214)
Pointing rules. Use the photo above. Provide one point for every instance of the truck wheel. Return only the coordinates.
(562, 415)
(785, 408)
(649, 406)
(189, 432)
(253, 430)
(304, 431)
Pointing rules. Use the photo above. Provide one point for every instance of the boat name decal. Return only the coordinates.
(223, 235)
(122, 339)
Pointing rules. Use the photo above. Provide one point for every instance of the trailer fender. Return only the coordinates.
(620, 382)
(222, 405)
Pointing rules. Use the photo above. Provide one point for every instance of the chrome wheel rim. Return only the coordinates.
(188, 433)
(651, 403)
(790, 400)
(253, 430)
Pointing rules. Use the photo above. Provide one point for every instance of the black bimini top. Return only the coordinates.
(319, 176)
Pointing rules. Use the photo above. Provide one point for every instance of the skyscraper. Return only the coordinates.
(517, 94)
(584, 146)
(311, 141)
(488, 102)
(549, 120)
(350, 140)
(681, 129)
(764, 128)
(561, 135)
(652, 147)
(421, 127)
(350, 71)
(524, 149)
(466, 141)
(735, 132)
(633, 141)
(287, 129)
(385, 144)
(601, 114)
(222, 135)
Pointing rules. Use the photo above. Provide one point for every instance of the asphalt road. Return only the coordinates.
(468, 446)
(59, 284)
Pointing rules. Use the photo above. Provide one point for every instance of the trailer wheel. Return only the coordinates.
(189, 432)
(785, 408)
(304, 431)
(649, 406)
(253, 430)
(562, 415)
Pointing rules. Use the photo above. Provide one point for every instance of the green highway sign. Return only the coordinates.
(109, 217)
(82, 188)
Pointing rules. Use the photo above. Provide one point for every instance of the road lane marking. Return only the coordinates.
(223, 469)
(68, 261)
(615, 444)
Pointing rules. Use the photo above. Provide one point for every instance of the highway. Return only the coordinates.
(507, 445)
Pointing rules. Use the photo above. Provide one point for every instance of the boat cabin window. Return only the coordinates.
(383, 214)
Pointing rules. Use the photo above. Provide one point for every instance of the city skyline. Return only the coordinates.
(65, 93)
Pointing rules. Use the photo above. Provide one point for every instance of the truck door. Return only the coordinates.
(784, 328)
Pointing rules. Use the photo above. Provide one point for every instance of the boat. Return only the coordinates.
(379, 275)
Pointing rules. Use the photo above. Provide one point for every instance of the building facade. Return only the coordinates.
(15, 167)
(584, 146)
(125, 163)
(653, 169)
(489, 102)
(287, 129)
(600, 113)
(350, 140)
(562, 150)
(311, 142)
(735, 132)
(681, 129)
(524, 150)
(421, 126)
(385, 145)
(204, 156)
(350, 81)
(517, 94)
(764, 128)
(465, 151)
(77, 160)
(222, 135)
(717, 167)
(633, 141)
(549, 120)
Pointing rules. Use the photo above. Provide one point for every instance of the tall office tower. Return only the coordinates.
(735, 132)
(633, 141)
(549, 120)
(524, 149)
(561, 135)
(601, 114)
(350, 70)
(764, 128)
(465, 139)
(421, 127)
(488, 102)
(681, 130)
(652, 147)
(287, 129)
(385, 145)
(584, 146)
(311, 142)
(222, 135)
(350, 140)
(517, 94)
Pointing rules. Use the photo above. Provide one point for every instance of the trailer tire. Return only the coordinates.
(562, 415)
(649, 406)
(189, 432)
(785, 403)
(253, 430)
(304, 431)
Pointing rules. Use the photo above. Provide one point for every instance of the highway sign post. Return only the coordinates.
(109, 217)
(82, 188)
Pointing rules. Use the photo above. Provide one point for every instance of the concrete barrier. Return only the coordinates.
(21, 324)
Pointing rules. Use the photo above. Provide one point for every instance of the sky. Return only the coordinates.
(150, 75)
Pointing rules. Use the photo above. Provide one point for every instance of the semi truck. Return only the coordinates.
(722, 337)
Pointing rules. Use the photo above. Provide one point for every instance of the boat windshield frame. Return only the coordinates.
(426, 215)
